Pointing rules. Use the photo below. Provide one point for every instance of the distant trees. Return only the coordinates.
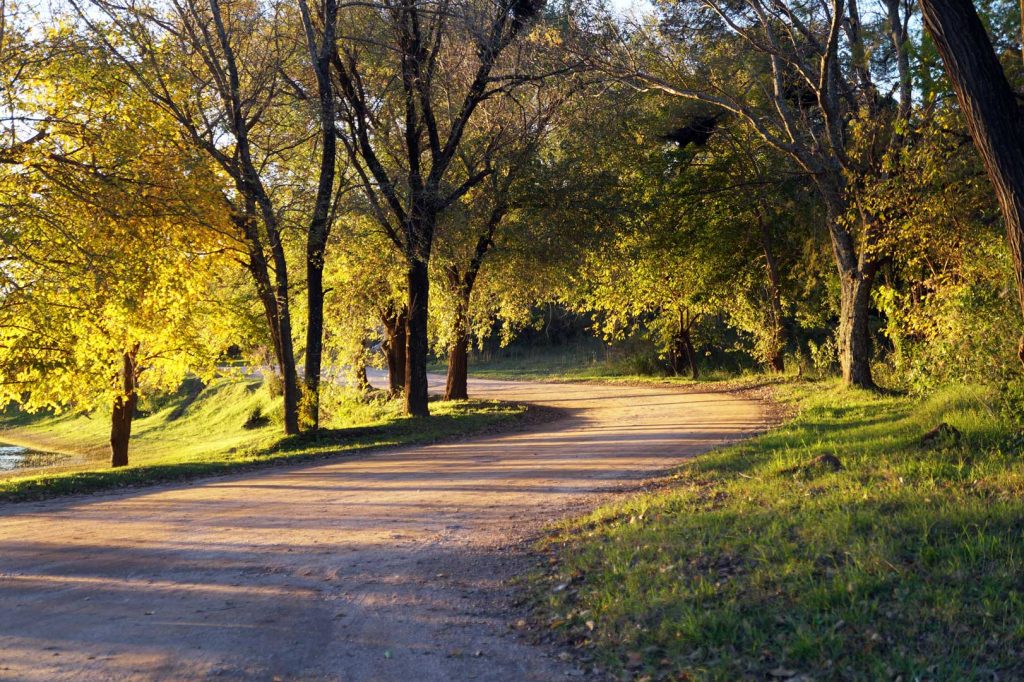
(813, 83)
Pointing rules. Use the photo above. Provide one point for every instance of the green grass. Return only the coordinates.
(203, 432)
(586, 360)
(752, 564)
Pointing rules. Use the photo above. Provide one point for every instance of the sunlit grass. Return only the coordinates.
(587, 360)
(909, 560)
(210, 431)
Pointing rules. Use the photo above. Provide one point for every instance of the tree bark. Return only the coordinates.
(320, 222)
(394, 347)
(266, 291)
(457, 385)
(289, 375)
(416, 339)
(777, 361)
(124, 411)
(990, 107)
(856, 276)
(854, 339)
(682, 354)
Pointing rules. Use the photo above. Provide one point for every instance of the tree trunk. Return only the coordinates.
(260, 271)
(314, 337)
(456, 388)
(416, 340)
(856, 277)
(777, 361)
(362, 380)
(320, 223)
(289, 376)
(124, 411)
(990, 107)
(854, 339)
(682, 354)
(691, 353)
(394, 347)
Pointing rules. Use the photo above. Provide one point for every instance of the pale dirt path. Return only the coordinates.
(388, 567)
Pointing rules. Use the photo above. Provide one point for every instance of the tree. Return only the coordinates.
(222, 73)
(992, 111)
(429, 65)
(365, 301)
(810, 81)
(509, 137)
(106, 291)
(21, 57)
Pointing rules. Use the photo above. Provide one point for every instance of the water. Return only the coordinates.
(17, 457)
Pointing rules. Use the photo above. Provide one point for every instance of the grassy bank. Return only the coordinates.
(228, 426)
(835, 547)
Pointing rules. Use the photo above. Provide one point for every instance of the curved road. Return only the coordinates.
(385, 567)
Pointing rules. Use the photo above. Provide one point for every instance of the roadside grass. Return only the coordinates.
(761, 561)
(228, 426)
(588, 360)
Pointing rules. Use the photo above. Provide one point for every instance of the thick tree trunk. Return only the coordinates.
(416, 339)
(777, 361)
(991, 109)
(362, 380)
(856, 276)
(394, 347)
(457, 385)
(123, 412)
(854, 339)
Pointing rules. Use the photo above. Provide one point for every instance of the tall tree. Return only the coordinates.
(509, 136)
(110, 262)
(429, 65)
(226, 74)
(810, 81)
(321, 41)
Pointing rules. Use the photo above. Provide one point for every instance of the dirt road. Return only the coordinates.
(389, 567)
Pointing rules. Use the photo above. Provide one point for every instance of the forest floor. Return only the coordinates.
(395, 566)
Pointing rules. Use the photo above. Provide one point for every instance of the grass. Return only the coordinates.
(229, 426)
(761, 561)
(586, 360)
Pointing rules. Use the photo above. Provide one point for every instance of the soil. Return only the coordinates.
(395, 566)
